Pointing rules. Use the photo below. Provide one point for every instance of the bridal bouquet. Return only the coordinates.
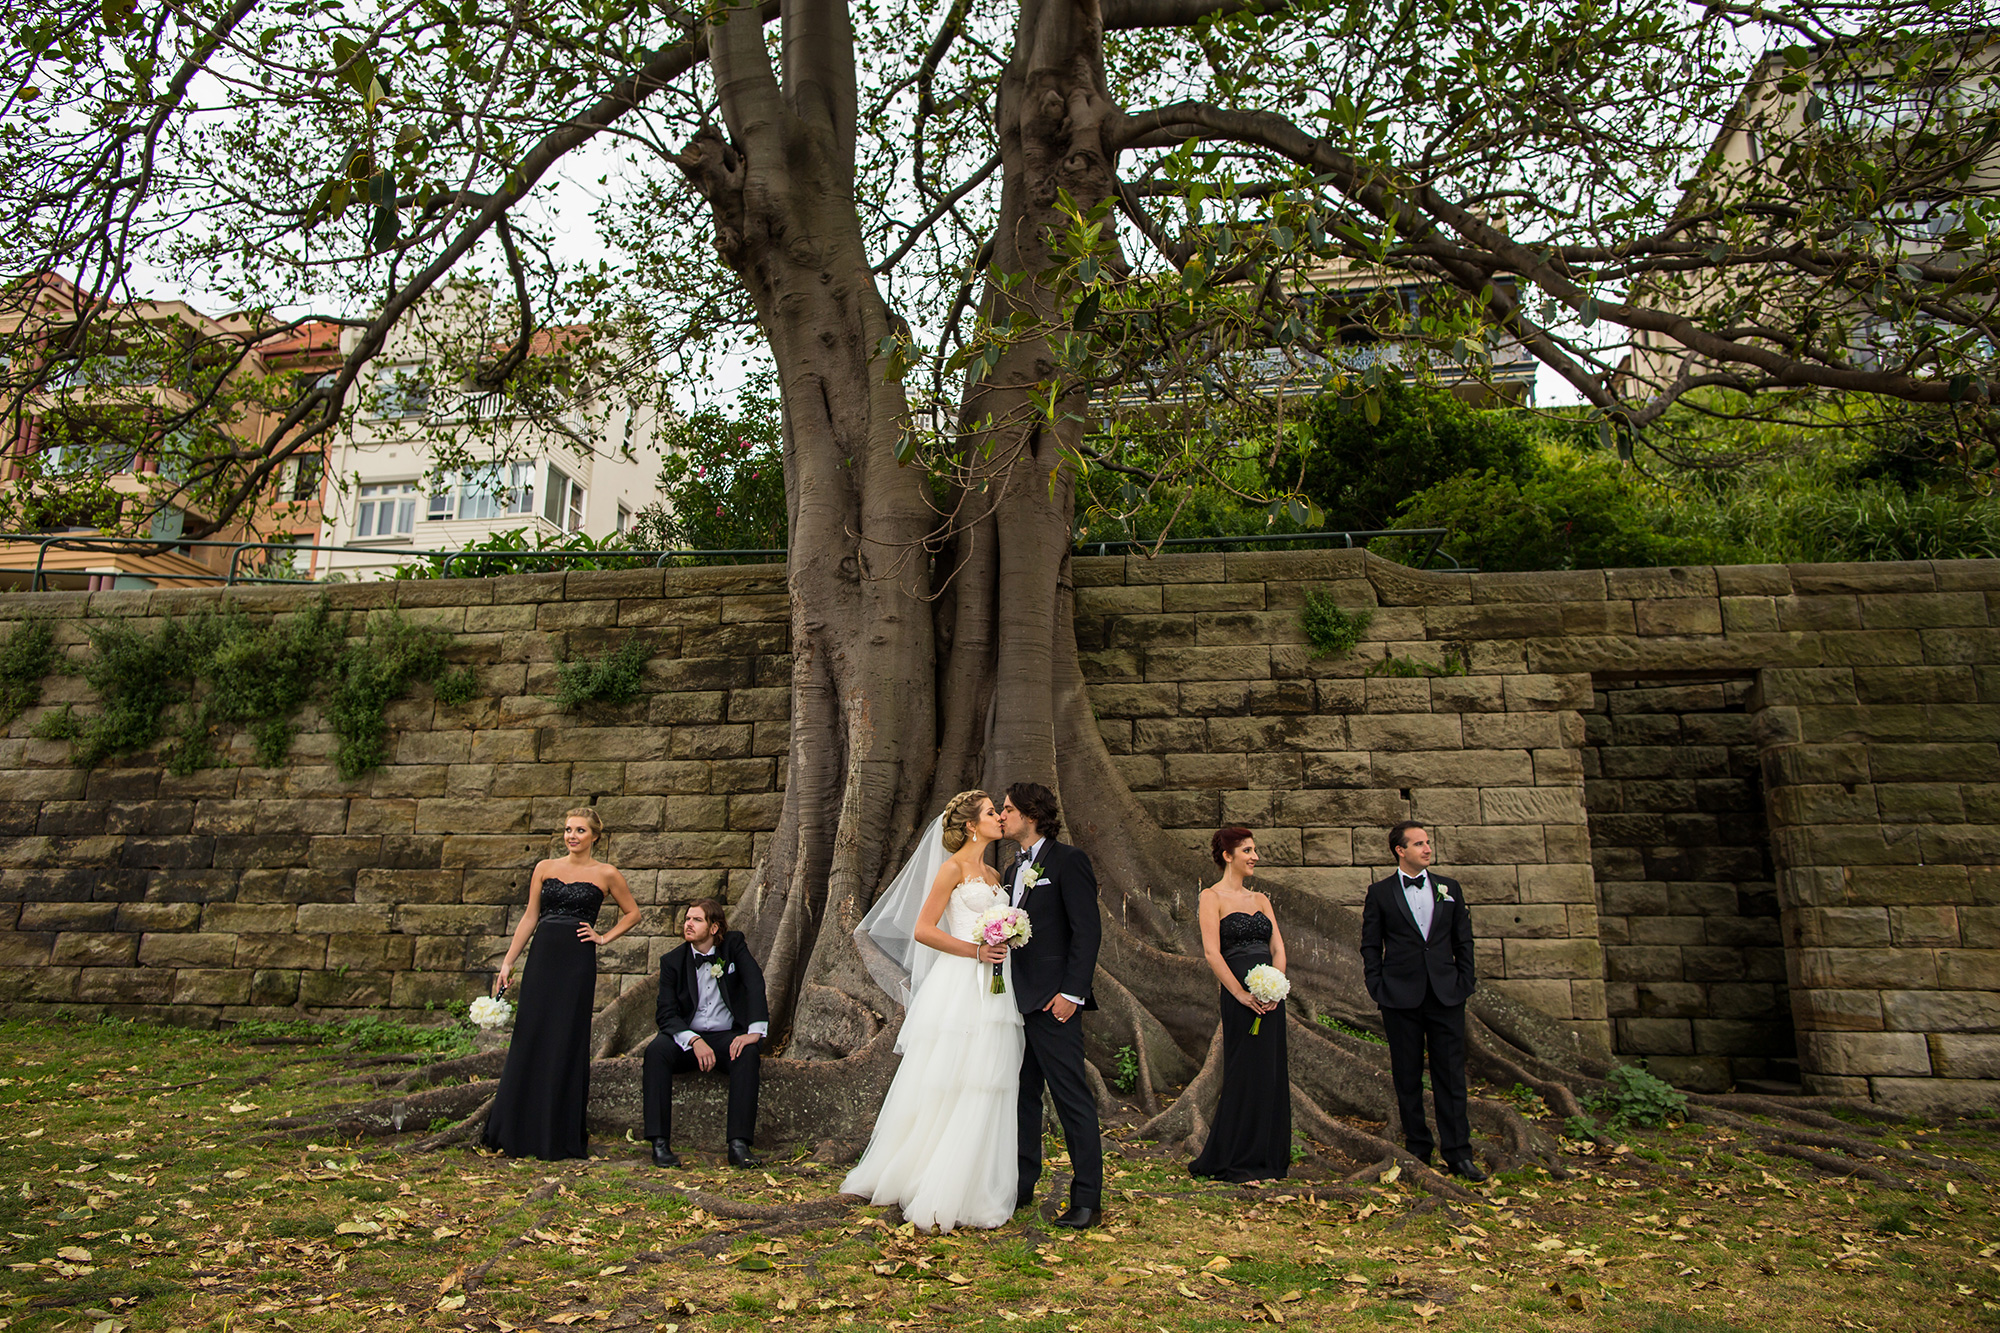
(489, 1013)
(1267, 985)
(1004, 925)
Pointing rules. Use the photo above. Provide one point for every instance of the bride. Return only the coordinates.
(943, 1146)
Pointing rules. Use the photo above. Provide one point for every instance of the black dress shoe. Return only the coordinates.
(1023, 1201)
(663, 1155)
(1077, 1218)
(1466, 1169)
(739, 1153)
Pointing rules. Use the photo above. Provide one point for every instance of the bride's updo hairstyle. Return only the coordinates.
(961, 810)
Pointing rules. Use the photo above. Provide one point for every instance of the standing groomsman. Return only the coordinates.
(1416, 952)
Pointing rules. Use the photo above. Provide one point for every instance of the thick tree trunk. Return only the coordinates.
(863, 691)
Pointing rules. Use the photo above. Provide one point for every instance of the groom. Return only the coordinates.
(1057, 888)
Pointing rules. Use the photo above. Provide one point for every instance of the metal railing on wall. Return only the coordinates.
(1345, 538)
(234, 572)
(446, 562)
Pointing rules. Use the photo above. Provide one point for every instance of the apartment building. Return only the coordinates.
(588, 469)
(95, 443)
(1854, 152)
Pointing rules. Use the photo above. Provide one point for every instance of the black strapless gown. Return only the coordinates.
(1252, 1137)
(539, 1109)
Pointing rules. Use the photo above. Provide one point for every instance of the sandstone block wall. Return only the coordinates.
(242, 892)
(1219, 713)
(1694, 958)
(1872, 704)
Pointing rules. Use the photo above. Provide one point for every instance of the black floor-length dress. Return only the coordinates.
(539, 1109)
(1252, 1137)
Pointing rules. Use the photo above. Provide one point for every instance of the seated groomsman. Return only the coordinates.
(712, 1013)
(1416, 955)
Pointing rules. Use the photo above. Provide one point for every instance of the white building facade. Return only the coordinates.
(388, 491)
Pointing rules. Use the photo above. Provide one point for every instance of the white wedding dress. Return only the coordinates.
(944, 1141)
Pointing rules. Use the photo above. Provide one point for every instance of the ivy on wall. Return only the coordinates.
(26, 658)
(185, 684)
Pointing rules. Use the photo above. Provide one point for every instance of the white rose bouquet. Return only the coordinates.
(489, 1013)
(1003, 925)
(1267, 985)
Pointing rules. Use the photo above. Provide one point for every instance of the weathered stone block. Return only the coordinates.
(1678, 617)
(406, 886)
(188, 950)
(1655, 1036)
(1829, 1010)
(343, 918)
(1532, 958)
(1864, 1053)
(1956, 1055)
(77, 948)
(1406, 731)
(124, 985)
(1454, 768)
(1886, 968)
(249, 918)
(1222, 771)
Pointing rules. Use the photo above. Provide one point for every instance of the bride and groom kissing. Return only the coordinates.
(958, 1141)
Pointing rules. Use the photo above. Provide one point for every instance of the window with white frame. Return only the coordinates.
(493, 491)
(562, 503)
(387, 509)
(403, 391)
(624, 520)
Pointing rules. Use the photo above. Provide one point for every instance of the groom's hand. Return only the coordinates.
(1061, 1008)
(740, 1041)
(704, 1054)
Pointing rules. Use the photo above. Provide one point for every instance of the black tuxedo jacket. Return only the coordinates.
(1060, 958)
(1400, 965)
(742, 986)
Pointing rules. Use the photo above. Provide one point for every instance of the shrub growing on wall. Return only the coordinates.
(186, 682)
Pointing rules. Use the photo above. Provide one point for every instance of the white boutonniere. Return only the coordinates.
(717, 970)
(1034, 875)
(1444, 894)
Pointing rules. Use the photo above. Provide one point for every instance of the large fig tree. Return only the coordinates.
(976, 243)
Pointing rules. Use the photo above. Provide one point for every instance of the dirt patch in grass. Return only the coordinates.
(132, 1197)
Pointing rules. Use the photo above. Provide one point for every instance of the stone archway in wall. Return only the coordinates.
(1688, 911)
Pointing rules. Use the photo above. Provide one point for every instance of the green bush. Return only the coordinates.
(1361, 474)
(1858, 520)
(27, 658)
(1577, 512)
(1125, 1069)
(724, 479)
(512, 552)
(1329, 629)
(1636, 1097)
(371, 675)
(614, 677)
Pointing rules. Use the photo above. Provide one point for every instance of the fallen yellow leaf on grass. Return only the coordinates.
(76, 1254)
(357, 1229)
(1552, 1243)
(1120, 1280)
(452, 1302)
(1427, 1311)
(1218, 1263)
(957, 1279)
(1393, 1174)
(242, 1108)
(1291, 1296)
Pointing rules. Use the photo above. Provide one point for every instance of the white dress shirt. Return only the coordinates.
(1021, 887)
(711, 1011)
(1418, 896)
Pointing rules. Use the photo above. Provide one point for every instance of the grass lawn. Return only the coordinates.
(131, 1197)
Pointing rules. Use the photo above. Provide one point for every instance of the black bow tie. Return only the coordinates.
(1416, 883)
(703, 956)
